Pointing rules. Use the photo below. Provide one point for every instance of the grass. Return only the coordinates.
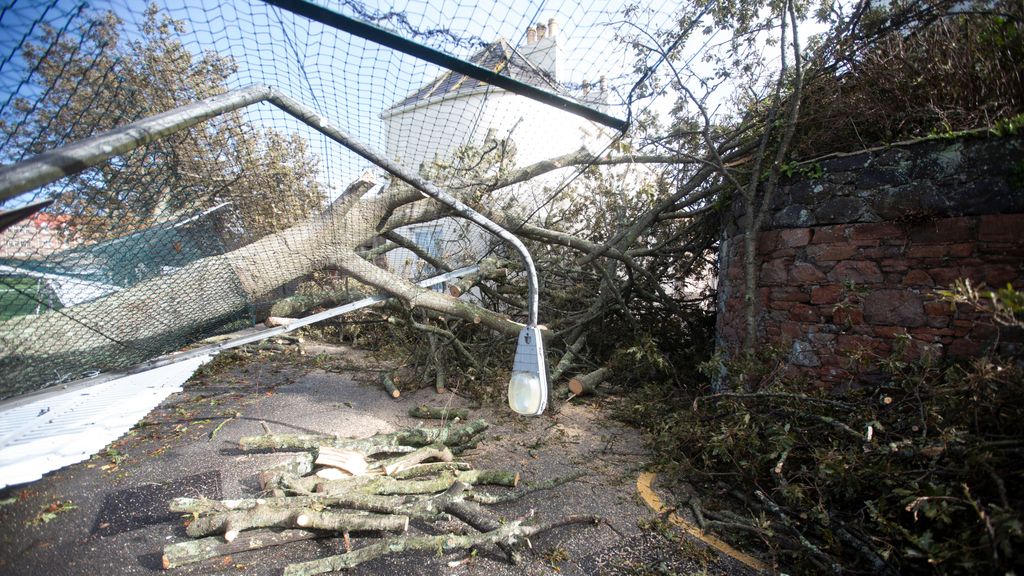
(17, 297)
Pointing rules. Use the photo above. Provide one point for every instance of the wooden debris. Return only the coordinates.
(297, 465)
(380, 495)
(438, 413)
(436, 452)
(331, 473)
(389, 385)
(402, 441)
(191, 551)
(273, 321)
(513, 533)
(351, 461)
(586, 383)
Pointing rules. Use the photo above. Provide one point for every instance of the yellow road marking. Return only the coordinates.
(643, 486)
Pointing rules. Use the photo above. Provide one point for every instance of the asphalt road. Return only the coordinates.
(109, 515)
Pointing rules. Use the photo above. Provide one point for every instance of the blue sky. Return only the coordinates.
(351, 81)
(347, 79)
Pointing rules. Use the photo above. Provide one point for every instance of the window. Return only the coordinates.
(429, 239)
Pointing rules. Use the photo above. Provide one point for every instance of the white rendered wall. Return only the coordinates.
(421, 134)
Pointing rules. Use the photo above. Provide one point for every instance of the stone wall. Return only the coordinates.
(856, 247)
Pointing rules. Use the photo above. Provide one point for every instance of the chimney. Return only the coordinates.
(542, 49)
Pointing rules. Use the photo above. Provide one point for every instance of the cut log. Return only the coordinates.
(298, 465)
(411, 506)
(351, 461)
(586, 383)
(192, 551)
(329, 473)
(335, 521)
(368, 503)
(231, 523)
(389, 385)
(435, 452)
(351, 522)
(273, 321)
(512, 533)
(438, 413)
(391, 486)
(421, 470)
(403, 441)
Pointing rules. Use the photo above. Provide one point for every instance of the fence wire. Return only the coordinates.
(202, 231)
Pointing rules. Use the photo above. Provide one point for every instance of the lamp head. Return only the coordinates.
(528, 387)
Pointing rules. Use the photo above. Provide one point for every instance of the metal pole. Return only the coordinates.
(383, 37)
(311, 118)
(50, 166)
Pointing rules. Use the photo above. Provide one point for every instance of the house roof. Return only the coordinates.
(499, 56)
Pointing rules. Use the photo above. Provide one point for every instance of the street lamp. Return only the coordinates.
(528, 387)
(527, 391)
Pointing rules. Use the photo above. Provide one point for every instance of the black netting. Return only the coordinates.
(199, 232)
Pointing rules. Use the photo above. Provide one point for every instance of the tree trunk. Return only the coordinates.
(159, 315)
(511, 533)
(192, 551)
(385, 486)
(438, 413)
(586, 383)
(395, 441)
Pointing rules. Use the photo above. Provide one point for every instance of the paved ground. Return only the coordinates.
(109, 515)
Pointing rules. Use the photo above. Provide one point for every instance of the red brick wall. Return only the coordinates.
(835, 297)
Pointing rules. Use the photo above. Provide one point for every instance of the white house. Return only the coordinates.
(453, 111)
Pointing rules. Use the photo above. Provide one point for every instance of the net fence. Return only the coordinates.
(202, 231)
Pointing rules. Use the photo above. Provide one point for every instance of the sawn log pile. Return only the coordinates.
(336, 486)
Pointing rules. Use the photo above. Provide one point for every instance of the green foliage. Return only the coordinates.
(1004, 305)
(957, 70)
(116, 456)
(812, 171)
(920, 473)
(50, 512)
(925, 467)
(1008, 126)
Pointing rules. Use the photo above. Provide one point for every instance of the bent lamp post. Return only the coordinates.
(528, 386)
